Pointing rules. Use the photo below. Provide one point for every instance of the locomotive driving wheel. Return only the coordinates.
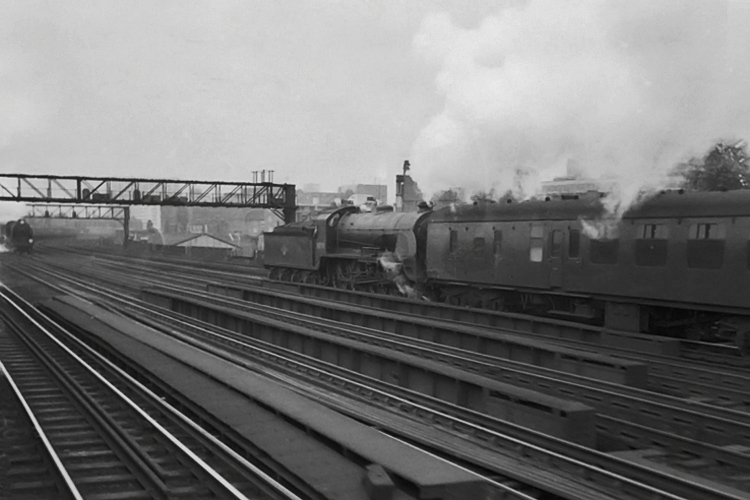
(344, 275)
(305, 277)
(312, 277)
(350, 273)
(274, 274)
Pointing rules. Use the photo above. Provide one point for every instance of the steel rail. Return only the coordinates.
(289, 495)
(692, 378)
(710, 372)
(580, 464)
(537, 373)
(494, 436)
(488, 366)
(156, 399)
(271, 352)
(691, 347)
(722, 415)
(144, 470)
(42, 435)
(11, 297)
(517, 494)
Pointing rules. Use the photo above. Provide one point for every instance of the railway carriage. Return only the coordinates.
(677, 260)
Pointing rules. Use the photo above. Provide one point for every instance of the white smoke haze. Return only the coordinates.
(626, 89)
(394, 271)
(11, 211)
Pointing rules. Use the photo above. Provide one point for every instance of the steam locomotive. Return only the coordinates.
(18, 236)
(678, 262)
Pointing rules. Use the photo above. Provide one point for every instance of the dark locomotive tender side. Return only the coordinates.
(679, 261)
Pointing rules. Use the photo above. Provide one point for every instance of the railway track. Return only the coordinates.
(690, 491)
(710, 375)
(631, 415)
(570, 333)
(665, 376)
(30, 467)
(113, 438)
(720, 389)
(325, 474)
(514, 491)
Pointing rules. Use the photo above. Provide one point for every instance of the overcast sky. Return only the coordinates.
(319, 91)
(337, 92)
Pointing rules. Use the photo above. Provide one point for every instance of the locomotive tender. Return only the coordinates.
(680, 261)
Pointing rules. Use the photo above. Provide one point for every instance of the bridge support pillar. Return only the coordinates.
(125, 226)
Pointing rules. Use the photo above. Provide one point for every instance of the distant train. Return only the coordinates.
(18, 236)
(677, 264)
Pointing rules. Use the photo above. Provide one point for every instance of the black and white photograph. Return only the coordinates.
(375, 249)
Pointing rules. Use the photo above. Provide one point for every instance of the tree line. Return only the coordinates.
(724, 167)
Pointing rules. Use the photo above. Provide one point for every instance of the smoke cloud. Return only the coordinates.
(626, 90)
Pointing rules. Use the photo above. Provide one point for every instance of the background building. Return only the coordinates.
(408, 195)
(361, 191)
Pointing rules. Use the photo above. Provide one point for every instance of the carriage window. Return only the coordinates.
(555, 244)
(651, 245)
(574, 244)
(536, 250)
(498, 242)
(453, 241)
(705, 246)
(536, 253)
(707, 232)
(653, 232)
(604, 251)
(479, 244)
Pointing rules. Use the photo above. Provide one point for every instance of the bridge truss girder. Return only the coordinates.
(92, 212)
(279, 198)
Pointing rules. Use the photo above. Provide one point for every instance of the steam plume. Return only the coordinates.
(626, 89)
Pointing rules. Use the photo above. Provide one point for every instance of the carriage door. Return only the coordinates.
(555, 258)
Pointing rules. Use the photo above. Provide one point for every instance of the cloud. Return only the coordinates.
(318, 92)
(20, 109)
(626, 89)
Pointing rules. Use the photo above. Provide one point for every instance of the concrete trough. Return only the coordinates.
(549, 414)
(513, 322)
(509, 346)
(251, 404)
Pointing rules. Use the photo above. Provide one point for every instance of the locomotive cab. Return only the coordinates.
(293, 252)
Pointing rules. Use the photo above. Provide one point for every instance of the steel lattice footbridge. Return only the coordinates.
(279, 198)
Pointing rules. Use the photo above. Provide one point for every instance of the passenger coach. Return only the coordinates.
(677, 260)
